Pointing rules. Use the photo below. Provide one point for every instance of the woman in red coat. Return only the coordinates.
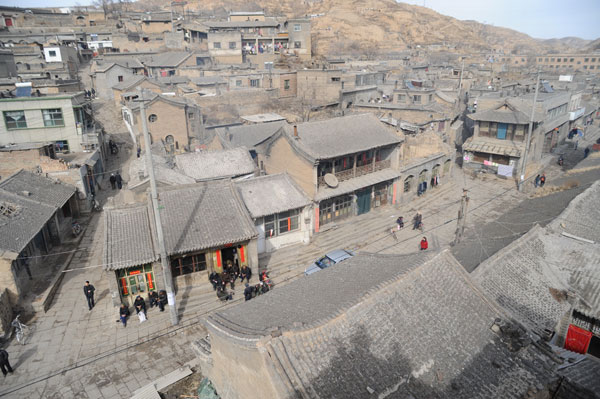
(424, 244)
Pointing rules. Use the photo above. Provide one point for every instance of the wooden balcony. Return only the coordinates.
(358, 171)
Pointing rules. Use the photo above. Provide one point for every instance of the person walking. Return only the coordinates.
(162, 300)
(113, 181)
(542, 180)
(424, 244)
(248, 292)
(124, 314)
(400, 222)
(586, 152)
(119, 180)
(536, 182)
(4, 363)
(88, 291)
(417, 220)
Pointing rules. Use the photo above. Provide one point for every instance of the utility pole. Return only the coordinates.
(462, 218)
(529, 130)
(164, 260)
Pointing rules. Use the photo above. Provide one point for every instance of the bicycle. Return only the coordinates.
(21, 330)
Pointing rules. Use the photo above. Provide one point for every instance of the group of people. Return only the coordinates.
(156, 299)
(231, 272)
(264, 285)
(540, 180)
(116, 181)
(263, 48)
(90, 93)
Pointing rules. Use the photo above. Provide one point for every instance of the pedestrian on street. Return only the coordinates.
(153, 298)
(214, 279)
(162, 300)
(245, 273)
(543, 180)
(417, 220)
(124, 314)
(119, 180)
(424, 244)
(140, 304)
(88, 291)
(536, 182)
(113, 181)
(139, 151)
(586, 152)
(400, 222)
(4, 363)
(248, 292)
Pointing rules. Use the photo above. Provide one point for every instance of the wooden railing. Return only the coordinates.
(358, 171)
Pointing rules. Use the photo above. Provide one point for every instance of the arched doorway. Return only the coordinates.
(170, 143)
(408, 183)
(435, 175)
(422, 182)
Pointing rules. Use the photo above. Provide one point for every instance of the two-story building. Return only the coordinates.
(346, 165)
(63, 119)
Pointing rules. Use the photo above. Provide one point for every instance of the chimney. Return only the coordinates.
(295, 131)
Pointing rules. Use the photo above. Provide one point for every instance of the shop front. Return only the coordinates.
(134, 281)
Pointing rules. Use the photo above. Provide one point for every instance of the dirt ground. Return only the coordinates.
(185, 388)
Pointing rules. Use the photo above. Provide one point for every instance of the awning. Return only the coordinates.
(357, 183)
(492, 148)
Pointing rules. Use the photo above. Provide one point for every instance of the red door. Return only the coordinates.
(578, 339)
(8, 22)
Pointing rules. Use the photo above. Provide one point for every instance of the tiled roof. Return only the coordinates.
(202, 216)
(128, 237)
(581, 217)
(129, 83)
(248, 135)
(168, 59)
(410, 326)
(21, 219)
(501, 116)
(357, 183)
(211, 165)
(581, 380)
(340, 136)
(38, 188)
(491, 146)
(267, 195)
(207, 80)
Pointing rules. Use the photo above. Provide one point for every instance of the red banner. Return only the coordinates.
(242, 257)
(578, 339)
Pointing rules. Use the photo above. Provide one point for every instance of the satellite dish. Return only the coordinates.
(331, 180)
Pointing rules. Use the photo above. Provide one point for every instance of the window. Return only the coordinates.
(591, 67)
(430, 97)
(586, 60)
(282, 223)
(571, 59)
(238, 82)
(199, 61)
(217, 45)
(297, 28)
(417, 98)
(558, 59)
(585, 67)
(61, 146)
(484, 128)
(593, 60)
(578, 62)
(232, 45)
(539, 60)
(286, 84)
(297, 44)
(551, 59)
(53, 117)
(546, 60)
(15, 119)
(408, 184)
(120, 78)
(152, 118)
(188, 264)
(254, 83)
(401, 98)
(52, 53)
(519, 132)
(190, 115)
(336, 79)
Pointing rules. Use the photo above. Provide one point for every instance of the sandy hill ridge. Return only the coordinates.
(385, 25)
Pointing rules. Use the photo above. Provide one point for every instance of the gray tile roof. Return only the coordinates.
(129, 83)
(492, 146)
(248, 135)
(19, 227)
(357, 183)
(340, 136)
(211, 165)
(128, 237)
(581, 217)
(581, 380)
(267, 195)
(501, 116)
(207, 80)
(39, 188)
(240, 24)
(169, 59)
(202, 216)
(413, 326)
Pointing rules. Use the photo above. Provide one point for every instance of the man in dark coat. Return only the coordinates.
(162, 300)
(119, 180)
(88, 291)
(245, 273)
(153, 298)
(214, 279)
(248, 292)
(140, 305)
(123, 314)
(113, 181)
(4, 364)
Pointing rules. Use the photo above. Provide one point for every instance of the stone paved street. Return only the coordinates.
(76, 353)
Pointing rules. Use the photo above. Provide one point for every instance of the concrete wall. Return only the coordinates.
(225, 54)
(320, 86)
(303, 36)
(36, 131)
(104, 81)
(282, 158)
(302, 235)
(292, 91)
(155, 26)
(171, 120)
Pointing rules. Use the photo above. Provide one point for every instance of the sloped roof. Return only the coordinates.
(207, 80)
(340, 136)
(129, 83)
(581, 216)
(580, 380)
(248, 136)
(39, 188)
(493, 146)
(128, 237)
(513, 116)
(210, 165)
(379, 324)
(357, 183)
(20, 220)
(169, 59)
(202, 216)
(267, 195)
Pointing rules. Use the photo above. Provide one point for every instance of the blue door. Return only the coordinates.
(502, 131)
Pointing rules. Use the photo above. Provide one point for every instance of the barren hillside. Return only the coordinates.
(340, 26)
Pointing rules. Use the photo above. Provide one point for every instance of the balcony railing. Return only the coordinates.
(358, 171)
